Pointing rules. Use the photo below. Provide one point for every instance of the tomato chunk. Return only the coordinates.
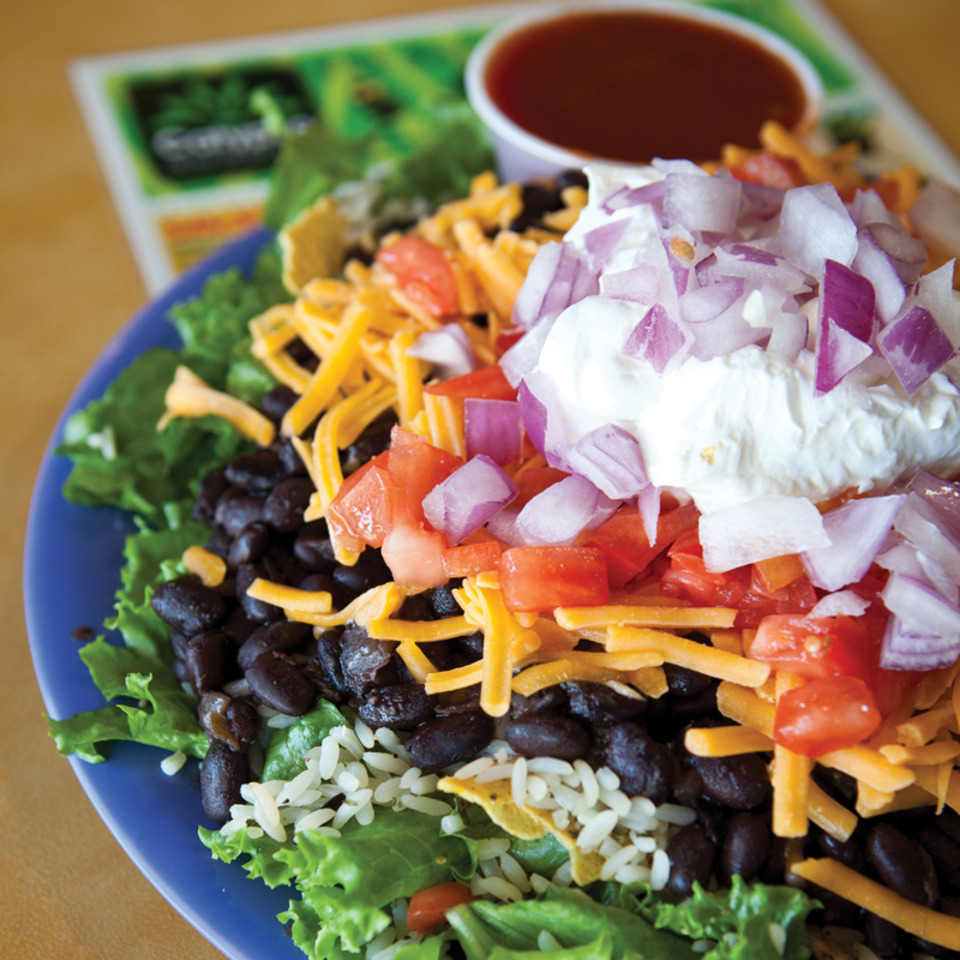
(540, 578)
(359, 514)
(428, 907)
(423, 273)
(469, 559)
(769, 169)
(825, 715)
(487, 383)
(815, 647)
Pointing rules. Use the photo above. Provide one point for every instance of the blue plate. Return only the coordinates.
(71, 572)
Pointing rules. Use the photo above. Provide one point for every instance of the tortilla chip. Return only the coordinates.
(313, 245)
(524, 822)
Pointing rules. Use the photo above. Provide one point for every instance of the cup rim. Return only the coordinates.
(502, 127)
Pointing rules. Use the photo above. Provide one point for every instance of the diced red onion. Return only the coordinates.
(602, 241)
(919, 522)
(936, 216)
(901, 557)
(942, 495)
(493, 428)
(924, 631)
(760, 529)
(659, 339)
(448, 350)
(815, 226)
(503, 526)
(701, 204)
(848, 299)
(906, 252)
(709, 302)
(868, 208)
(856, 531)
(843, 603)
(915, 346)
(788, 336)
(668, 166)
(639, 284)
(520, 359)
(468, 498)
(565, 509)
(838, 353)
(529, 301)
(873, 263)
(760, 203)
(560, 276)
(610, 458)
(623, 196)
(648, 503)
(935, 291)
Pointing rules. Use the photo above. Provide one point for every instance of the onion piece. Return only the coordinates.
(703, 204)
(856, 531)
(468, 498)
(623, 196)
(639, 284)
(935, 292)
(839, 352)
(924, 631)
(760, 529)
(658, 338)
(873, 263)
(843, 603)
(936, 216)
(609, 458)
(492, 427)
(815, 226)
(915, 346)
(448, 350)
(565, 509)
(942, 495)
(919, 522)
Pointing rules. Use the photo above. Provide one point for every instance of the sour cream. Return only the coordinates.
(749, 424)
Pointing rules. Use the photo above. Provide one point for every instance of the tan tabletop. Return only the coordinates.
(67, 282)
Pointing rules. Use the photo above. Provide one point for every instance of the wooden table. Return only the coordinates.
(67, 282)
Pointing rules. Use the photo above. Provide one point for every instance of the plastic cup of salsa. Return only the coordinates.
(631, 81)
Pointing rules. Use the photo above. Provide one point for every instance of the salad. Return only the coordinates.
(499, 627)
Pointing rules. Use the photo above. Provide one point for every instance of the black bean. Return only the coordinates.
(280, 685)
(284, 506)
(212, 714)
(328, 660)
(944, 850)
(848, 852)
(235, 510)
(883, 937)
(249, 545)
(739, 782)
(212, 485)
(256, 472)
(373, 441)
(902, 864)
(244, 720)
(188, 606)
(691, 860)
(276, 402)
(445, 740)
(402, 706)
(219, 542)
(257, 610)
(550, 698)
(746, 842)
(548, 734)
(314, 551)
(471, 646)
(598, 704)
(574, 177)
(238, 626)
(688, 787)
(207, 658)
(645, 767)
(415, 607)
(290, 459)
(443, 602)
(684, 682)
(222, 773)
(366, 663)
(282, 636)
(362, 576)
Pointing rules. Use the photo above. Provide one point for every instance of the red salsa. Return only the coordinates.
(632, 85)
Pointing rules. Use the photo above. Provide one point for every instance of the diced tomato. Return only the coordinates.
(624, 542)
(486, 383)
(360, 512)
(507, 338)
(816, 647)
(469, 559)
(535, 480)
(771, 170)
(886, 188)
(540, 578)
(423, 273)
(416, 467)
(825, 715)
(414, 554)
(429, 907)
(688, 579)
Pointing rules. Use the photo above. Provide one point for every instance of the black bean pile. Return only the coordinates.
(254, 508)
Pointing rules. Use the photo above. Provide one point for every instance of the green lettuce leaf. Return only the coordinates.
(159, 713)
(486, 930)
(285, 754)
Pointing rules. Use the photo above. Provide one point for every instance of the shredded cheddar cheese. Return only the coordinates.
(210, 568)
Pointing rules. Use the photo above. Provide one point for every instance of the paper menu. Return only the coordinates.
(187, 155)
